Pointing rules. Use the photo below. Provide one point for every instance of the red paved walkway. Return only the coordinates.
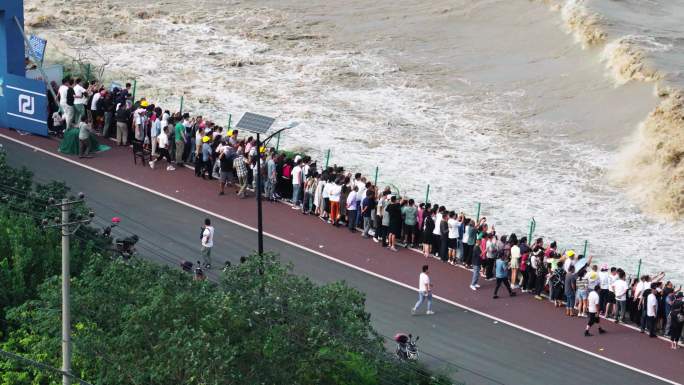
(654, 355)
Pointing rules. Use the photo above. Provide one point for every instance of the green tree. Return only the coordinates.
(140, 323)
(30, 254)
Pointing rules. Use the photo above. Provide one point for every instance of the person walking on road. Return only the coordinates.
(502, 277)
(593, 308)
(424, 292)
(207, 242)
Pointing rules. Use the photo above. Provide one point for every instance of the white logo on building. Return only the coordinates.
(26, 104)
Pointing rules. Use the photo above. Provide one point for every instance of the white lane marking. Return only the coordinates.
(93, 169)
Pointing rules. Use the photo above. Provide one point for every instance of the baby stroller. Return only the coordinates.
(406, 347)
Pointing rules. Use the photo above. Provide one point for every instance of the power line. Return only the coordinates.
(41, 366)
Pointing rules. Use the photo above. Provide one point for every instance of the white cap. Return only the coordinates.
(297, 158)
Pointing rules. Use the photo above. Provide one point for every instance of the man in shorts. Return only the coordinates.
(582, 295)
(593, 308)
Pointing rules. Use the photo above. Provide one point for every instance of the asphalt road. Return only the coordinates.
(471, 348)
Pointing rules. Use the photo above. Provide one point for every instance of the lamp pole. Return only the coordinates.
(260, 224)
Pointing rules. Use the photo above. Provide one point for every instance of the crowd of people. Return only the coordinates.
(341, 198)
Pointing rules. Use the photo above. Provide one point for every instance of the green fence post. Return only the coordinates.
(478, 212)
(375, 181)
(230, 120)
(327, 158)
(533, 225)
(278, 142)
(135, 85)
(638, 269)
(586, 245)
(181, 104)
(427, 194)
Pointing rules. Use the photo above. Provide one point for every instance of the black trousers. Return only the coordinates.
(538, 285)
(603, 298)
(489, 268)
(651, 324)
(443, 248)
(530, 278)
(164, 153)
(467, 254)
(436, 242)
(504, 281)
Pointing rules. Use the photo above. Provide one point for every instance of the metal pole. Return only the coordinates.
(638, 269)
(375, 181)
(427, 194)
(327, 158)
(258, 197)
(278, 143)
(66, 306)
(230, 120)
(586, 245)
(181, 104)
(478, 212)
(40, 66)
(135, 85)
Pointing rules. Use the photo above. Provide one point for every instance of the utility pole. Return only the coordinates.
(68, 228)
(66, 288)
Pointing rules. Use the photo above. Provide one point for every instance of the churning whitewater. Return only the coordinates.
(566, 111)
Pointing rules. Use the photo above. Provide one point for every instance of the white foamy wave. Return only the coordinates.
(651, 166)
(585, 25)
(626, 58)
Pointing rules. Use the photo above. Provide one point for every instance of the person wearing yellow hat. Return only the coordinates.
(569, 260)
(206, 156)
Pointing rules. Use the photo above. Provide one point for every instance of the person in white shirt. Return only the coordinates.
(297, 184)
(610, 297)
(352, 211)
(80, 99)
(207, 242)
(163, 146)
(424, 292)
(652, 310)
(66, 102)
(334, 193)
(515, 263)
(453, 237)
(593, 308)
(604, 281)
(620, 288)
(436, 234)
